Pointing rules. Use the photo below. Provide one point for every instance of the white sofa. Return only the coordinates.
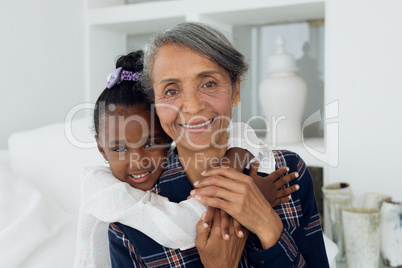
(40, 192)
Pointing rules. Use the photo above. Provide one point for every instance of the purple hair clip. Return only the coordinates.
(119, 75)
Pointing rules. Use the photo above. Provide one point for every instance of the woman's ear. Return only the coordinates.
(100, 148)
(236, 92)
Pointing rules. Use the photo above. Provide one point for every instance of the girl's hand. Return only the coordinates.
(213, 250)
(271, 185)
(226, 220)
(237, 194)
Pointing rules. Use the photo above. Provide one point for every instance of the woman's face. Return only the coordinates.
(193, 96)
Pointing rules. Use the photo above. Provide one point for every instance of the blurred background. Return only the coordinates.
(55, 55)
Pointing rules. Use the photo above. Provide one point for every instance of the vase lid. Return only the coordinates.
(281, 61)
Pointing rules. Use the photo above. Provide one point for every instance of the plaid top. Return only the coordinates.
(301, 244)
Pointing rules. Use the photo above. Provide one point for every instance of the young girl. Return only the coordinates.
(131, 139)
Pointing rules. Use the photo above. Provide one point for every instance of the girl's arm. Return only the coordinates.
(244, 146)
(110, 200)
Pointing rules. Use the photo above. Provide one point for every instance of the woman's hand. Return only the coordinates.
(215, 251)
(271, 185)
(237, 194)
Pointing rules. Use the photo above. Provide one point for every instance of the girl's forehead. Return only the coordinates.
(140, 115)
(120, 118)
(131, 125)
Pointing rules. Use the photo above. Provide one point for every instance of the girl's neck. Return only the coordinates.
(195, 162)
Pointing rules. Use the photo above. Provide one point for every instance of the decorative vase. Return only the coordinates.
(337, 196)
(375, 200)
(391, 233)
(362, 237)
(283, 97)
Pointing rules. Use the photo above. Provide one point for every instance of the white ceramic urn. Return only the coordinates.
(283, 97)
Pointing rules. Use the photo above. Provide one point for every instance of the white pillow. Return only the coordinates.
(48, 232)
(49, 160)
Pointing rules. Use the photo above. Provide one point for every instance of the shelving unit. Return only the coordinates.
(154, 16)
(110, 22)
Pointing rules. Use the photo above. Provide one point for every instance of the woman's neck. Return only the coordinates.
(195, 162)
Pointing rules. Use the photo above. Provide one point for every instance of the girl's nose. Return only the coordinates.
(138, 160)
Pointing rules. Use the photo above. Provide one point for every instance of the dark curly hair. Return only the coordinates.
(124, 93)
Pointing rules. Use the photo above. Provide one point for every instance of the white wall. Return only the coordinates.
(104, 48)
(41, 62)
(363, 71)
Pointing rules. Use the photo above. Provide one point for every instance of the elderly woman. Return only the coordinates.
(194, 76)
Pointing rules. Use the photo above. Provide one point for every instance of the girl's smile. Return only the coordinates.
(141, 177)
(136, 146)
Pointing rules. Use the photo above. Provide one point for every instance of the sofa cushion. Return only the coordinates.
(53, 161)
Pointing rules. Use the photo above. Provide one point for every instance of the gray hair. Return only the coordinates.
(200, 38)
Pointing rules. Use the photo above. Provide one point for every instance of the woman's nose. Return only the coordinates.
(193, 103)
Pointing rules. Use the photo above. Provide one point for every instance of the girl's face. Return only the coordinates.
(193, 96)
(134, 144)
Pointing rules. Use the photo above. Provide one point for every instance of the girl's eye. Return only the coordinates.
(209, 84)
(171, 92)
(150, 144)
(120, 149)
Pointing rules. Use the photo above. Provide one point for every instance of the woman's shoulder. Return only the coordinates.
(303, 199)
(286, 158)
(285, 154)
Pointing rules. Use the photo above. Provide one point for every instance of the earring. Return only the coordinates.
(107, 162)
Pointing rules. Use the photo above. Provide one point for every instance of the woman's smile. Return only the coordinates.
(193, 95)
(197, 126)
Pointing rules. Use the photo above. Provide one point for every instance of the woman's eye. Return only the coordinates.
(171, 92)
(120, 149)
(209, 84)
